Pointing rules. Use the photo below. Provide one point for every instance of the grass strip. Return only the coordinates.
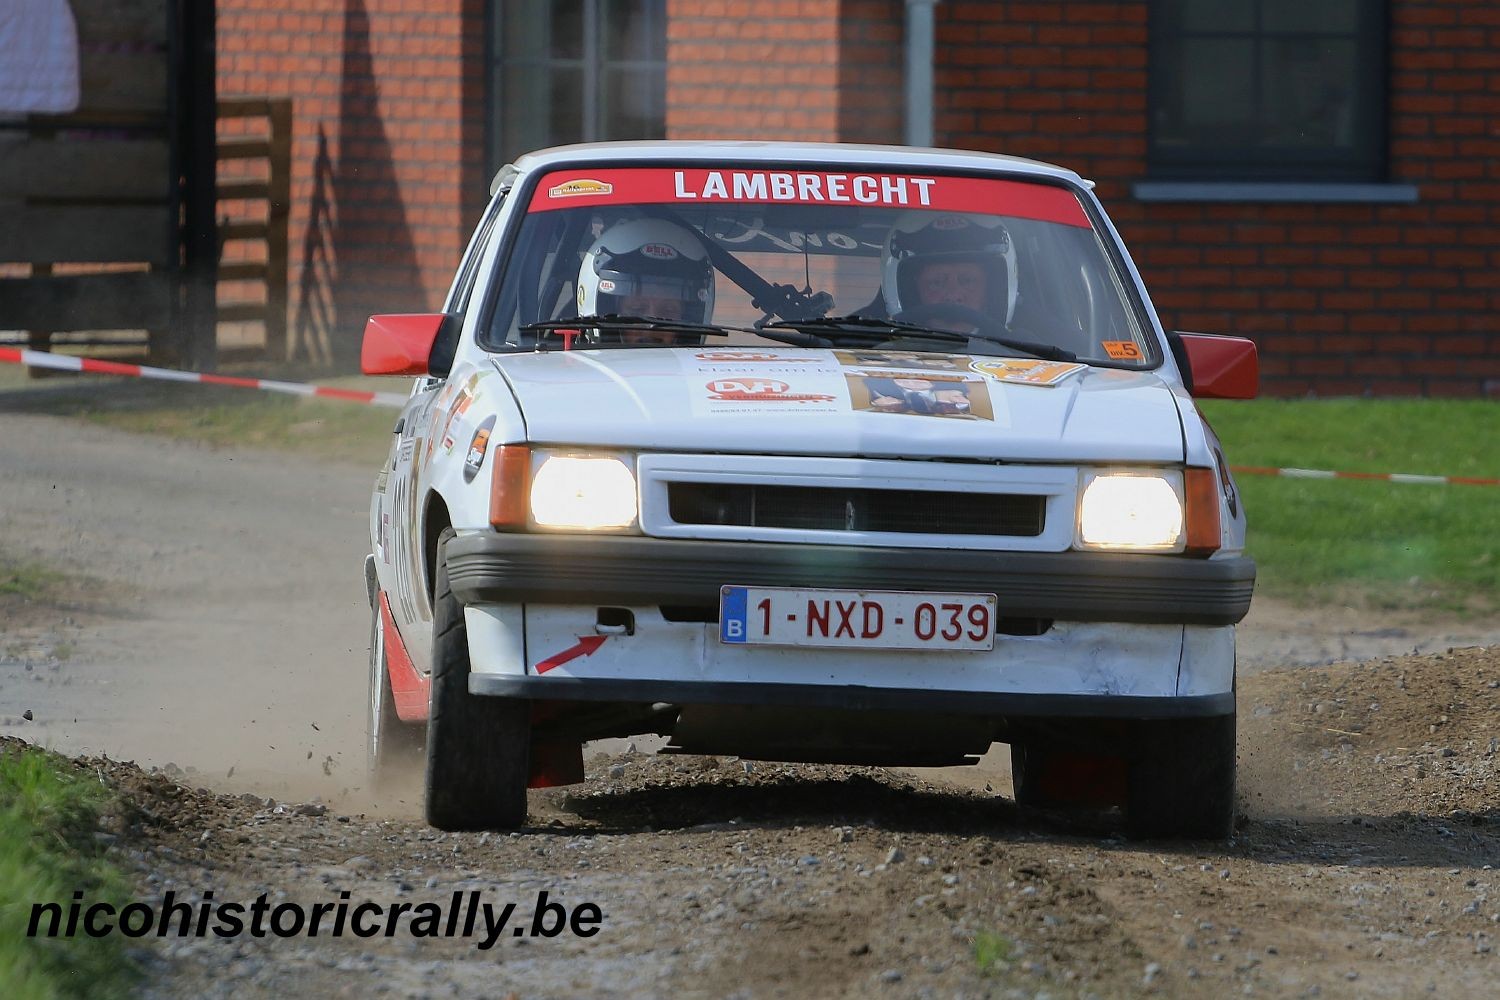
(1376, 544)
(323, 429)
(217, 416)
(49, 813)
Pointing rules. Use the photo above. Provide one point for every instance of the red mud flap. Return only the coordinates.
(554, 764)
(409, 688)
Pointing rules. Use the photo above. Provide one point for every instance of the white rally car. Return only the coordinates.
(806, 452)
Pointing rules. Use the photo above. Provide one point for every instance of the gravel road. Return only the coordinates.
(220, 644)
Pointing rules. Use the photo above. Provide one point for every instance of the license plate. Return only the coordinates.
(865, 619)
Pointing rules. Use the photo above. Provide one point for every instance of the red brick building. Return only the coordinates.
(1322, 177)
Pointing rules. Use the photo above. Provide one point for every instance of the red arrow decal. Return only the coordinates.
(586, 646)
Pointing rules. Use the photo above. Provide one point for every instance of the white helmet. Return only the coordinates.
(920, 238)
(646, 257)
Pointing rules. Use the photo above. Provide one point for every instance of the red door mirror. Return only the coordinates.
(1222, 367)
(400, 344)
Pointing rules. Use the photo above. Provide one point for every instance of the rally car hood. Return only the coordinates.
(819, 402)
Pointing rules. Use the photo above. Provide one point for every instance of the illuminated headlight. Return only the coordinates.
(1131, 510)
(582, 492)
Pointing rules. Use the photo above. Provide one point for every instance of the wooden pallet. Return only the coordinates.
(254, 193)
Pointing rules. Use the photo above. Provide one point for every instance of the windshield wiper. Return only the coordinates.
(613, 321)
(878, 327)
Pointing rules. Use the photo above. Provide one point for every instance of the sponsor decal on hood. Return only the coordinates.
(920, 393)
(765, 382)
(1026, 371)
(761, 390)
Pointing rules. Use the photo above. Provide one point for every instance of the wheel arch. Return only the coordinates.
(435, 518)
(372, 581)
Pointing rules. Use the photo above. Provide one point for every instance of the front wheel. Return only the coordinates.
(1028, 763)
(478, 748)
(1181, 779)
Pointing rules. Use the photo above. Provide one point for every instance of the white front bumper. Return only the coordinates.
(1071, 658)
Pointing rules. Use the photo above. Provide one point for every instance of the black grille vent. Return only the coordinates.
(838, 509)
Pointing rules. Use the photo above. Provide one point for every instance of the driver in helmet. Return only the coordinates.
(938, 267)
(649, 268)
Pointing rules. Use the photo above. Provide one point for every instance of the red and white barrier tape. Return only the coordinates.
(65, 362)
(68, 363)
(1389, 477)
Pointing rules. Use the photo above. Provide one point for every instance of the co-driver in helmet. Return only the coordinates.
(649, 268)
(949, 270)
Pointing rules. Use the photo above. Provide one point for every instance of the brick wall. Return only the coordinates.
(388, 156)
(872, 75)
(810, 70)
(389, 169)
(1342, 299)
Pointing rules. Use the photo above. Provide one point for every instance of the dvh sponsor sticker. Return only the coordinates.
(763, 382)
(761, 390)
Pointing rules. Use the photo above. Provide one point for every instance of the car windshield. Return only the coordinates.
(673, 256)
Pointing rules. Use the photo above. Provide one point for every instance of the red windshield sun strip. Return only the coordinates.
(693, 186)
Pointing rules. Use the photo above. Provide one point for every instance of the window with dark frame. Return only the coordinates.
(575, 71)
(1266, 90)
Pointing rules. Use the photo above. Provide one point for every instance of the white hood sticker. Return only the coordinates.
(960, 396)
(920, 384)
(770, 383)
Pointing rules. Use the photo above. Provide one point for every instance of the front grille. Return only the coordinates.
(806, 508)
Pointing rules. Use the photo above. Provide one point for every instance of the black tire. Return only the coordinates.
(478, 748)
(1181, 777)
(1027, 761)
(393, 749)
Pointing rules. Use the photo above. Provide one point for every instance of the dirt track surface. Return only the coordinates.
(227, 629)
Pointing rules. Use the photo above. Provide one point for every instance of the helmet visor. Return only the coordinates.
(616, 285)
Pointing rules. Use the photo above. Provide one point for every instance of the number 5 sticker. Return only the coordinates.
(1123, 350)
